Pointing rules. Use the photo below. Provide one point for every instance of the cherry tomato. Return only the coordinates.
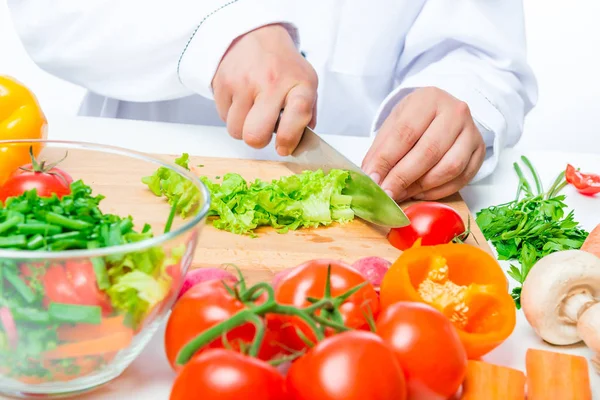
(74, 283)
(428, 347)
(83, 279)
(46, 182)
(435, 223)
(58, 287)
(203, 306)
(219, 374)
(353, 365)
(309, 280)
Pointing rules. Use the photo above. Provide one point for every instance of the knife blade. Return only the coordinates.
(369, 201)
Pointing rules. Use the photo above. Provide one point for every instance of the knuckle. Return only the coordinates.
(455, 167)
(301, 105)
(399, 181)
(462, 109)
(433, 151)
(432, 91)
(383, 164)
(406, 133)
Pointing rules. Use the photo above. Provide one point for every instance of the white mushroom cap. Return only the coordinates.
(558, 288)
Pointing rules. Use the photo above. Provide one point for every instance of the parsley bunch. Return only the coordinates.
(532, 226)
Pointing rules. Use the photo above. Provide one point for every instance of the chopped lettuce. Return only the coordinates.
(137, 292)
(310, 199)
(168, 183)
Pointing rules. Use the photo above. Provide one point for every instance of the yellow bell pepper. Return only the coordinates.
(20, 118)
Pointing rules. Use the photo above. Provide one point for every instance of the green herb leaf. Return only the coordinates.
(527, 229)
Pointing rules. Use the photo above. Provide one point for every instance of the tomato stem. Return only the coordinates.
(259, 334)
(244, 316)
(281, 360)
(329, 323)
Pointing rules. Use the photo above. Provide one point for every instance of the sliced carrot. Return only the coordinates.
(82, 332)
(592, 242)
(492, 382)
(557, 376)
(106, 344)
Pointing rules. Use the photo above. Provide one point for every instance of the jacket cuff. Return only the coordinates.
(487, 117)
(214, 34)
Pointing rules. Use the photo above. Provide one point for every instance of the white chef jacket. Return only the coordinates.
(155, 59)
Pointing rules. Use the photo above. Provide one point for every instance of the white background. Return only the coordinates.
(564, 51)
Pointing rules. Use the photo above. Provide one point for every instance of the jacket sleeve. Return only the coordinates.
(139, 50)
(476, 51)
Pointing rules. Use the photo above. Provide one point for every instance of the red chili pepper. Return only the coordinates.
(584, 183)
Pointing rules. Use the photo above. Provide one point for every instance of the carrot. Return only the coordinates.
(592, 242)
(492, 382)
(106, 344)
(82, 332)
(557, 376)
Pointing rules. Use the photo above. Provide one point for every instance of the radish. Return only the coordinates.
(7, 321)
(198, 275)
(373, 269)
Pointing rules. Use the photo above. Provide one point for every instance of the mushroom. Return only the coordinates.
(561, 299)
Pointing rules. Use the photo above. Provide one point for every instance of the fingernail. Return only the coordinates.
(419, 196)
(376, 177)
(282, 151)
(389, 193)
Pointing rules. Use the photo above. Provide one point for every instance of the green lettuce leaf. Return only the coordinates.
(310, 199)
(170, 184)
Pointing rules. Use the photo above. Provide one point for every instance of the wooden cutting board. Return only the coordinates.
(118, 178)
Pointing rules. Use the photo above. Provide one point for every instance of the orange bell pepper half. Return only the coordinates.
(21, 118)
(462, 281)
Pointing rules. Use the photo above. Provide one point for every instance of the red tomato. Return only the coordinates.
(428, 347)
(308, 280)
(74, 283)
(435, 223)
(46, 182)
(58, 287)
(203, 306)
(83, 279)
(353, 365)
(219, 374)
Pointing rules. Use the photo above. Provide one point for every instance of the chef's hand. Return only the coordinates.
(427, 148)
(261, 74)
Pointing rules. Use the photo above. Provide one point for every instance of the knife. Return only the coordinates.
(369, 201)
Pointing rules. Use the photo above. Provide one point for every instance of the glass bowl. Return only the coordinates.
(85, 281)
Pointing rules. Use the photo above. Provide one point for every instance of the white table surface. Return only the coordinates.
(150, 377)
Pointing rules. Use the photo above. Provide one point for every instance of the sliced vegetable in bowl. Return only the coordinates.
(81, 289)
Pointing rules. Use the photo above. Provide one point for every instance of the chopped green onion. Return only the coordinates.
(10, 223)
(68, 244)
(100, 270)
(169, 223)
(36, 242)
(20, 286)
(65, 222)
(126, 225)
(75, 313)
(38, 228)
(65, 235)
(33, 315)
(13, 241)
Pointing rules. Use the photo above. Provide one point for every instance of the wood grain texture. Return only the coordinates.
(118, 178)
